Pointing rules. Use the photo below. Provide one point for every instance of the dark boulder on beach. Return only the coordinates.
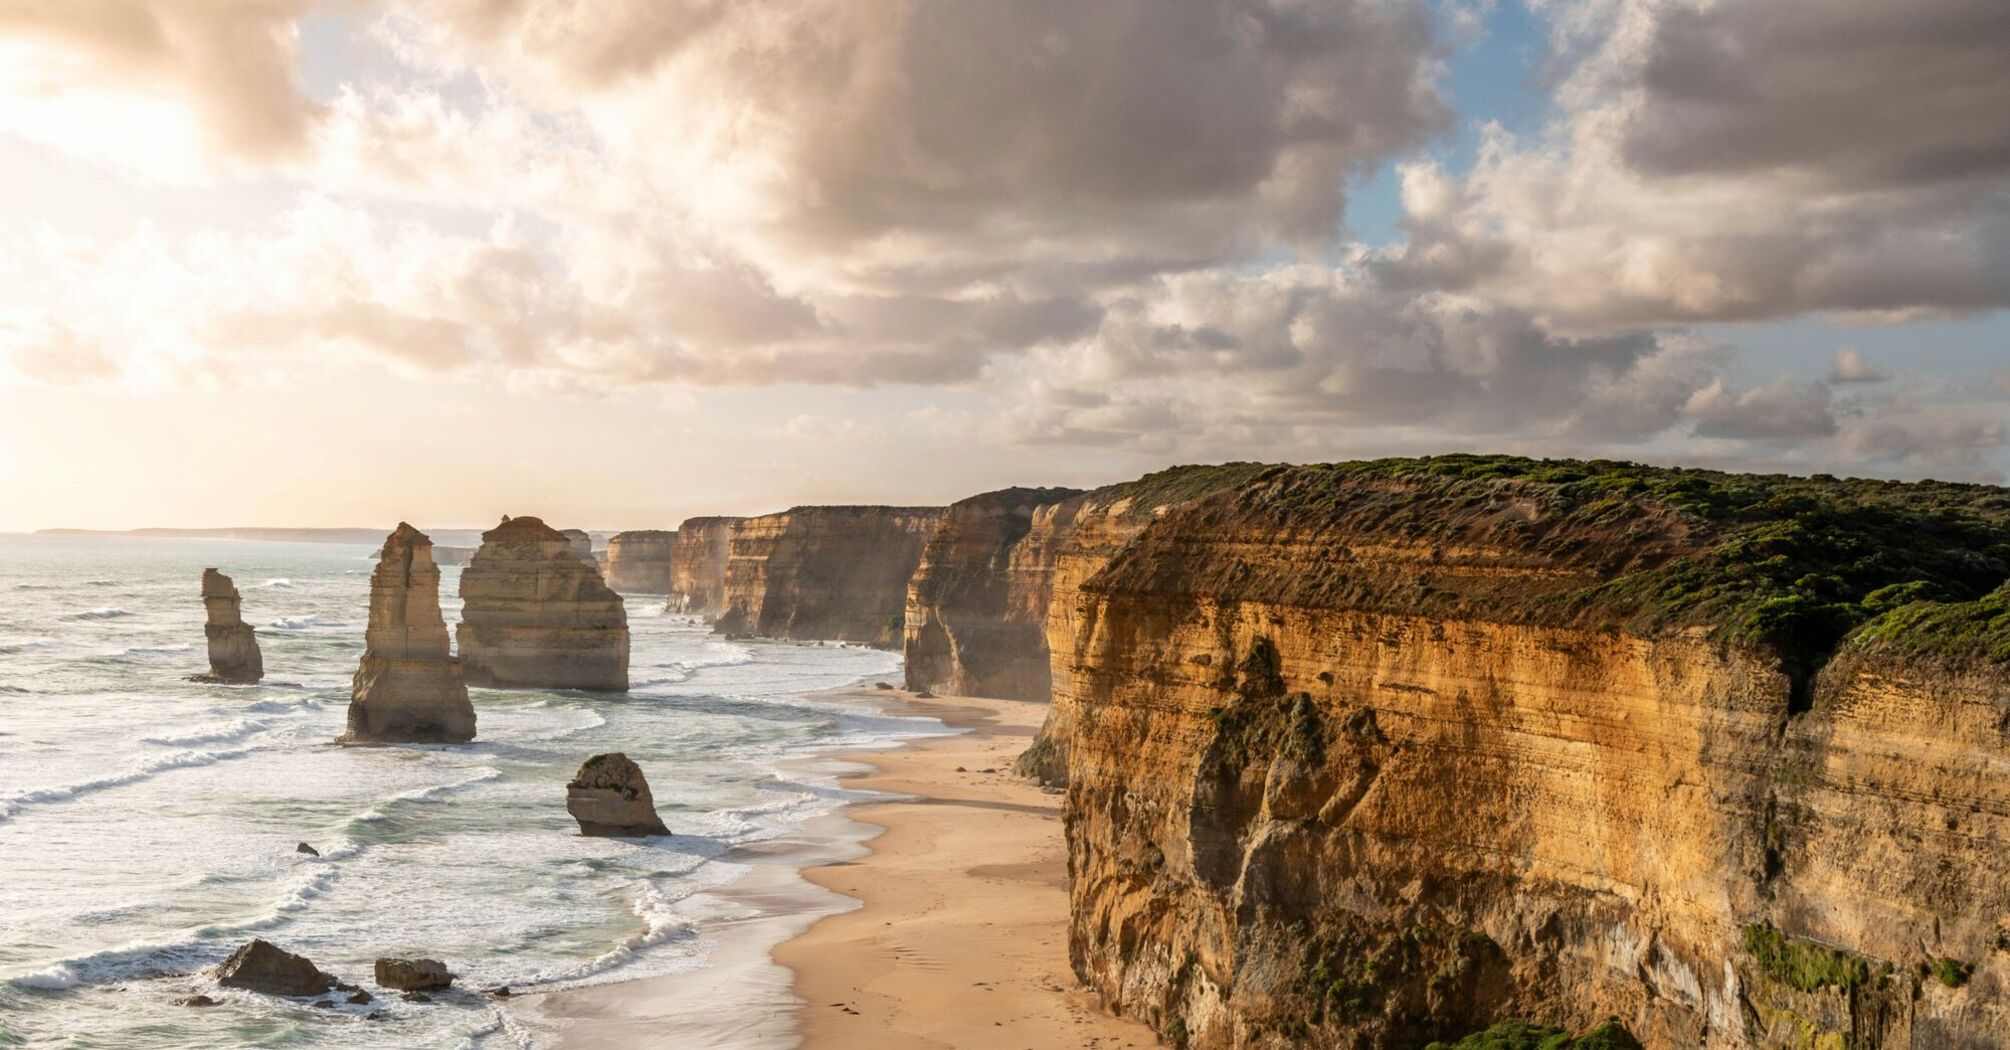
(261, 967)
(413, 975)
(610, 797)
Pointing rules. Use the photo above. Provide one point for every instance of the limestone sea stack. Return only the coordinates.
(825, 573)
(233, 646)
(582, 545)
(535, 615)
(409, 688)
(698, 566)
(638, 561)
(610, 798)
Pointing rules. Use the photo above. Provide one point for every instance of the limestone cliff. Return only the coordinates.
(1069, 542)
(638, 561)
(534, 614)
(233, 646)
(1368, 755)
(698, 566)
(408, 688)
(826, 573)
(977, 603)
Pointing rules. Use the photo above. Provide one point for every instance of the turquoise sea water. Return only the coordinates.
(148, 824)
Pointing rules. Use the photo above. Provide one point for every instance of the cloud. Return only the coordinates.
(1739, 160)
(231, 62)
(1851, 367)
(1779, 411)
(53, 353)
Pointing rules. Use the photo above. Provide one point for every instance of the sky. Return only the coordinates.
(620, 262)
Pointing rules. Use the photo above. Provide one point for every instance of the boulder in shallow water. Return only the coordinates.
(610, 797)
(305, 848)
(234, 658)
(413, 975)
(261, 967)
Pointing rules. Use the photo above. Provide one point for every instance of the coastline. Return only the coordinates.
(936, 917)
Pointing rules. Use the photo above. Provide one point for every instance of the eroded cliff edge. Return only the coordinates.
(1371, 754)
(1071, 541)
(824, 573)
(698, 566)
(977, 603)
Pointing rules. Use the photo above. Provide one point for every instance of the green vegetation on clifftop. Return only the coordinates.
(1789, 563)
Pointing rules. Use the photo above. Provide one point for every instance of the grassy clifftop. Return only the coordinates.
(1793, 564)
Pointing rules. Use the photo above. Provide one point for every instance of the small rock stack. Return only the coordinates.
(233, 646)
(408, 689)
(610, 798)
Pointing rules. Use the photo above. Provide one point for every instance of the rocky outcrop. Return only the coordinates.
(977, 603)
(261, 967)
(824, 573)
(638, 561)
(455, 556)
(534, 615)
(408, 689)
(234, 658)
(698, 566)
(1369, 755)
(413, 975)
(582, 545)
(610, 797)
(1071, 541)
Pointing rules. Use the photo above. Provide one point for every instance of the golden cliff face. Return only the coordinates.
(1348, 786)
(977, 603)
(698, 566)
(638, 561)
(826, 573)
(1074, 539)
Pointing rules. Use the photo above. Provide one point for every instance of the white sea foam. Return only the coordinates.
(231, 731)
(305, 623)
(11, 807)
(276, 582)
(107, 613)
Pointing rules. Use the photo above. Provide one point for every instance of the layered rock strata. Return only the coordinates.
(1368, 757)
(638, 561)
(233, 646)
(1071, 541)
(534, 615)
(977, 603)
(610, 797)
(698, 566)
(825, 573)
(408, 688)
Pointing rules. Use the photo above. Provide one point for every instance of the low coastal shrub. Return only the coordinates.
(1805, 965)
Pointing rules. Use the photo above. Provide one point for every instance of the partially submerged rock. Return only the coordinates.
(261, 967)
(233, 646)
(413, 975)
(537, 616)
(610, 797)
(408, 689)
(305, 848)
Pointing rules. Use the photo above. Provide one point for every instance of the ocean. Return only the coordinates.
(148, 824)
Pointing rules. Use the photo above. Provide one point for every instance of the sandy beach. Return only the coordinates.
(959, 941)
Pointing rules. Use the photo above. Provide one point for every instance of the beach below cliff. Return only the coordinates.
(958, 937)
